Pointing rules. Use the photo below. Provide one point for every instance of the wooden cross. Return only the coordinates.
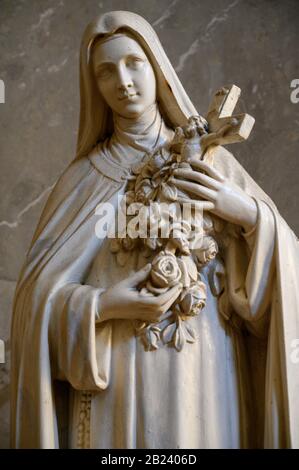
(225, 127)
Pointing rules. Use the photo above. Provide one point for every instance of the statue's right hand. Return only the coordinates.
(124, 301)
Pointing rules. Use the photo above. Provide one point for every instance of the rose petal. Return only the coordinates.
(158, 279)
(154, 289)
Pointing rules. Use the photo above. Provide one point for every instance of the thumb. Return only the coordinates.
(134, 279)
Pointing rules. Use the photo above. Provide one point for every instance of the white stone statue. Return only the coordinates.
(155, 342)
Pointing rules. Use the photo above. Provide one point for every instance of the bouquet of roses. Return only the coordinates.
(182, 242)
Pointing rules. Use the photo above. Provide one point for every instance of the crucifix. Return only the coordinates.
(225, 127)
(221, 127)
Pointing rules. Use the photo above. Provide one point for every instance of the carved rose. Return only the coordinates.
(165, 270)
(194, 298)
(207, 251)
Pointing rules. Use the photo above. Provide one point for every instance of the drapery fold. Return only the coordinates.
(63, 247)
(53, 327)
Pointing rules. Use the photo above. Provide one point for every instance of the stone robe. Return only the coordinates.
(237, 386)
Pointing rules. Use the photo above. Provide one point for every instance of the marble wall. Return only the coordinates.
(252, 43)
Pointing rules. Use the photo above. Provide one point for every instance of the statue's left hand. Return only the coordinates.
(229, 201)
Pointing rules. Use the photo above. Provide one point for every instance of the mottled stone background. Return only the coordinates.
(252, 43)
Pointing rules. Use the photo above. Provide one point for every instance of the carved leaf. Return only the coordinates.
(216, 278)
(150, 337)
(153, 340)
(186, 303)
(191, 267)
(185, 279)
(139, 326)
(179, 338)
(190, 333)
(168, 333)
(170, 192)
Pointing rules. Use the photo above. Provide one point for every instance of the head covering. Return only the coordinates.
(96, 122)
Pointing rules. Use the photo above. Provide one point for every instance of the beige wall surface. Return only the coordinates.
(252, 43)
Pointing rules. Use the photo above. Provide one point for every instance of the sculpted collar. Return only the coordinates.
(115, 160)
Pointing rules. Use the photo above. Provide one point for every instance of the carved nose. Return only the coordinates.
(124, 80)
(124, 87)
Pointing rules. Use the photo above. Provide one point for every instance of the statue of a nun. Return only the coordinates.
(81, 376)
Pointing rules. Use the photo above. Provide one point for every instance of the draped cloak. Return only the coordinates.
(54, 333)
(58, 344)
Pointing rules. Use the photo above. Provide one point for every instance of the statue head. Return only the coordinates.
(135, 62)
(124, 74)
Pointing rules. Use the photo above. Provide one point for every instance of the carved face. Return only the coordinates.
(125, 76)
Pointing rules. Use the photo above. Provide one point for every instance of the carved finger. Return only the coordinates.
(199, 177)
(169, 296)
(160, 300)
(203, 205)
(144, 296)
(168, 304)
(211, 171)
(195, 188)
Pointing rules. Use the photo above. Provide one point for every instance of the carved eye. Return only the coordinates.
(135, 62)
(103, 73)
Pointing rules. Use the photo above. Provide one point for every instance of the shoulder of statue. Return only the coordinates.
(99, 159)
(219, 157)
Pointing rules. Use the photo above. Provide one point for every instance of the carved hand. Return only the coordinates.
(229, 201)
(124, 301)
